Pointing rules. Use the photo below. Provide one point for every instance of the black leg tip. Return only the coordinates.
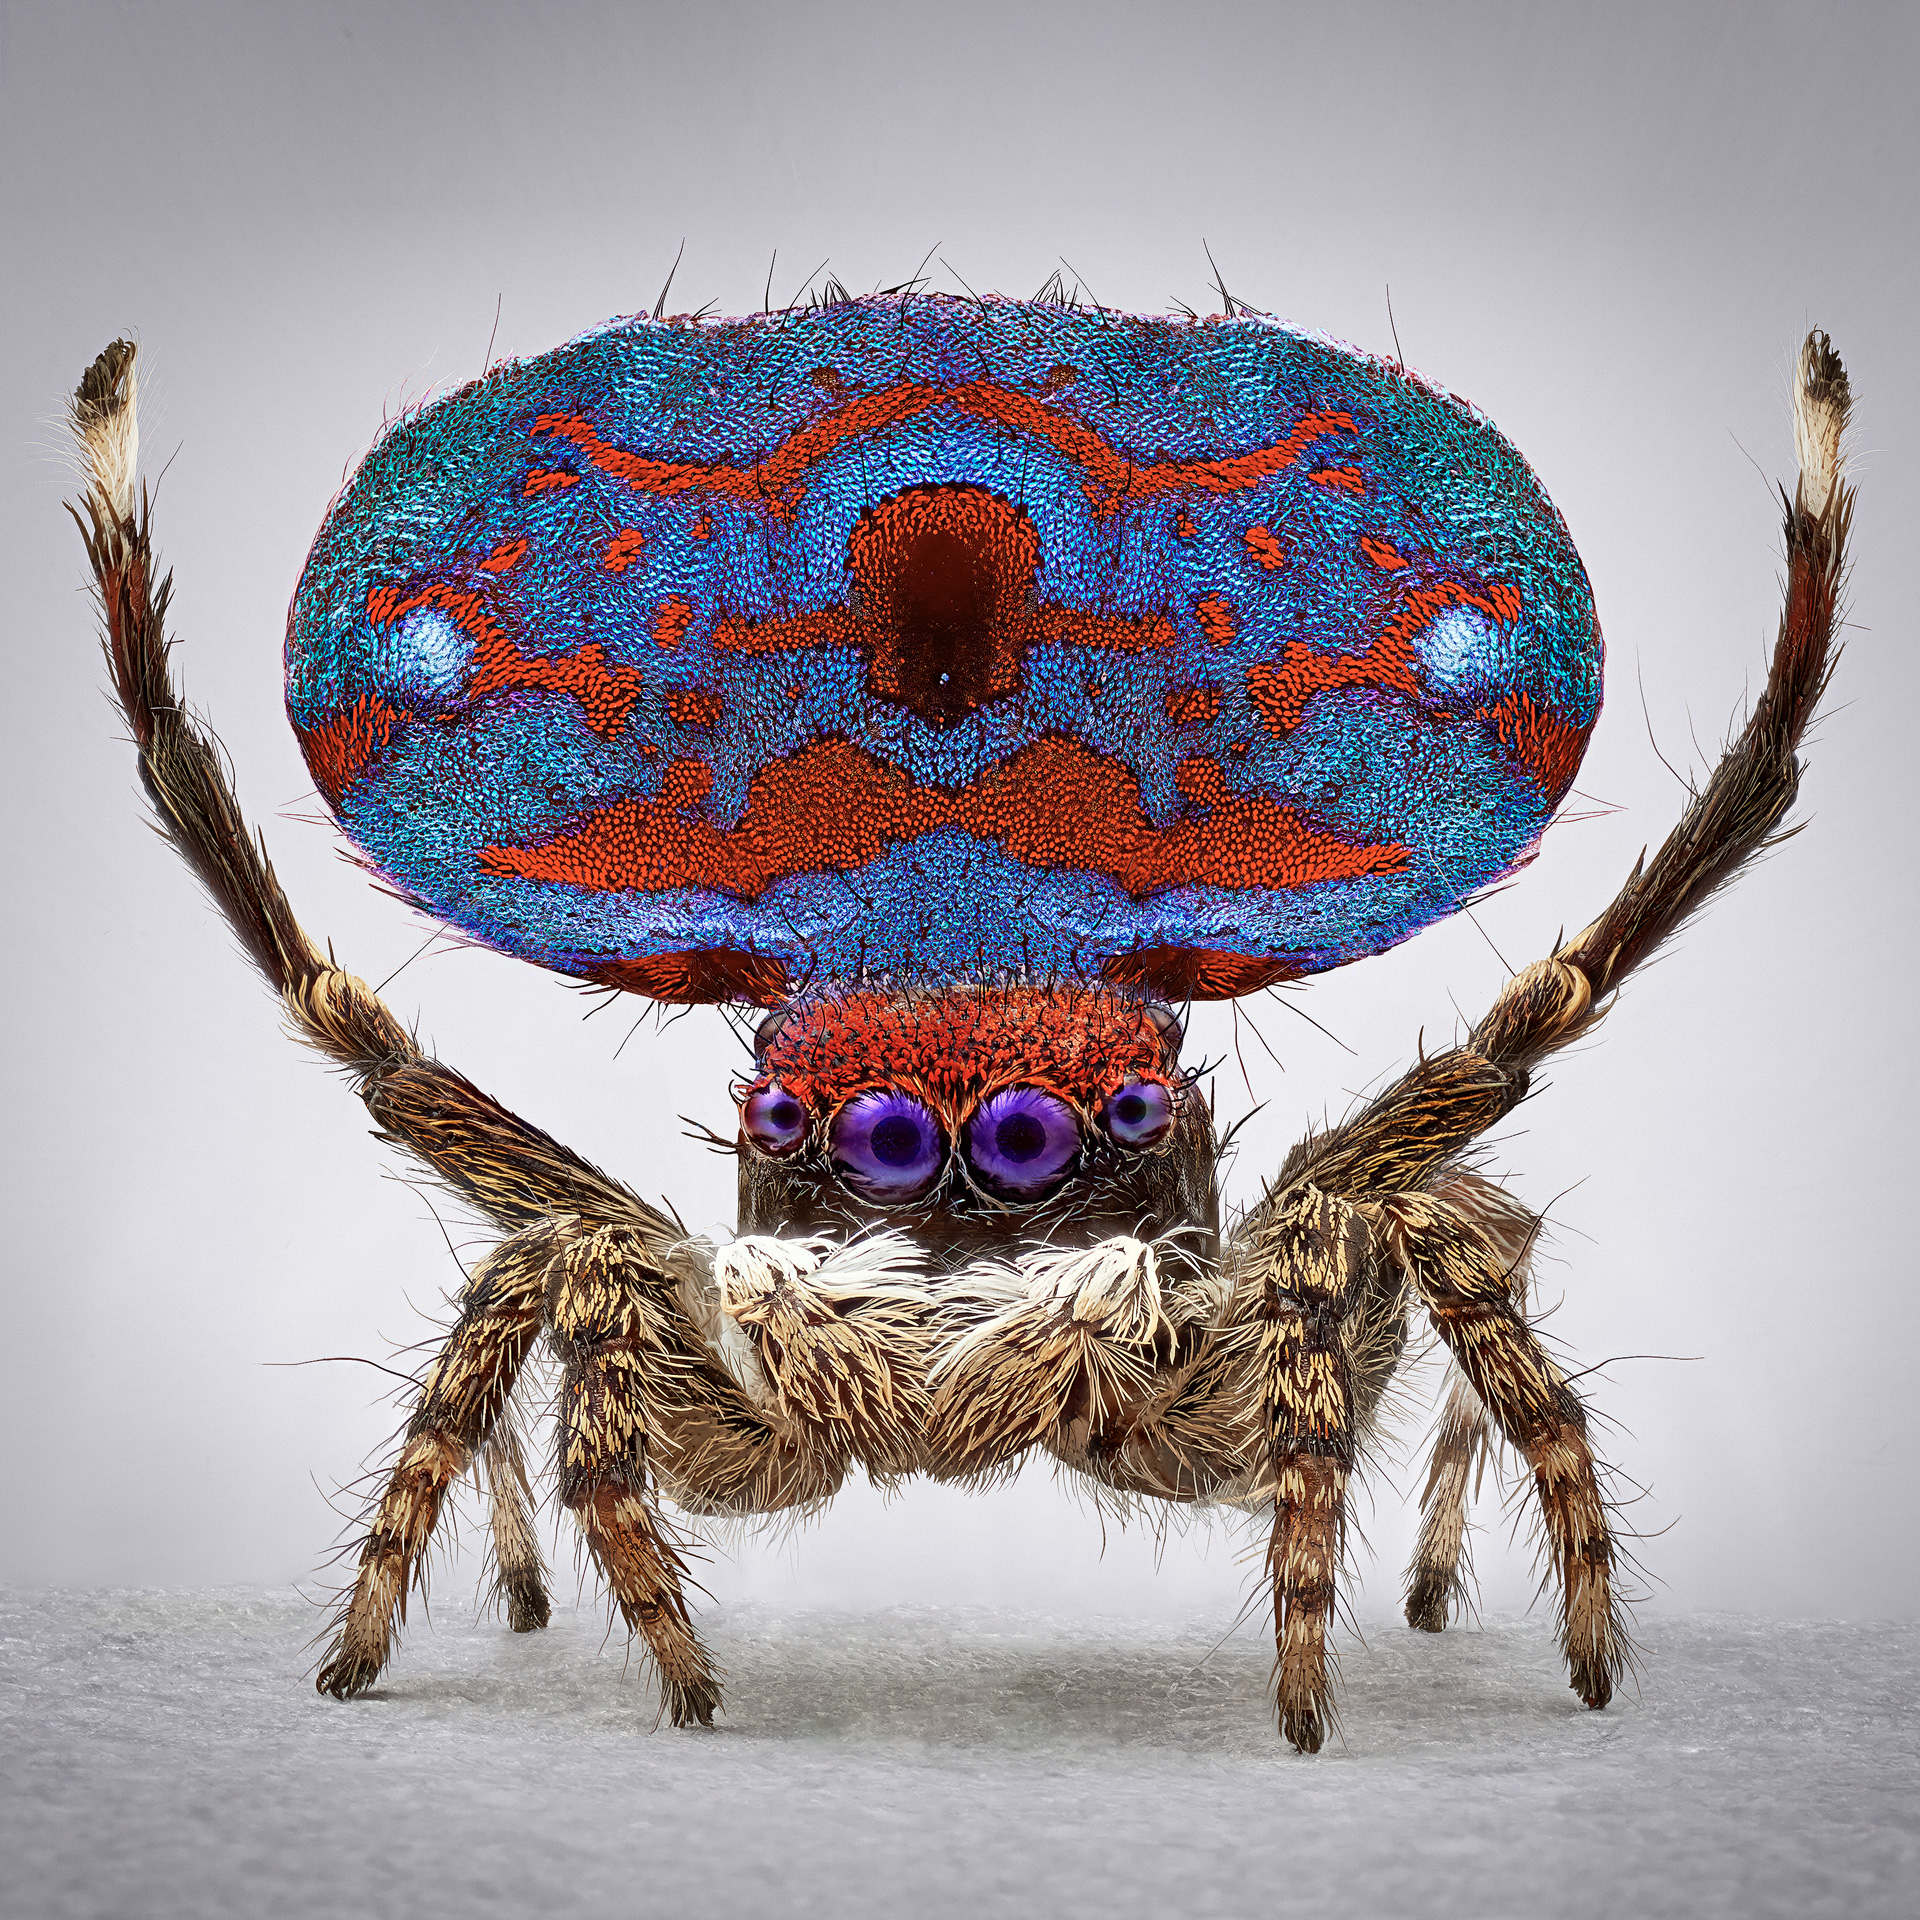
(1427, 1606)
(527, 1608)
(1306, 1727)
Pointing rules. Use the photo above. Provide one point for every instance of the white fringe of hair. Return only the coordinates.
(1112, 1288)
(108, 432)
(719, 1280)
(1821, 407)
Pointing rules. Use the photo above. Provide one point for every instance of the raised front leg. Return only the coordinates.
(461, 1401)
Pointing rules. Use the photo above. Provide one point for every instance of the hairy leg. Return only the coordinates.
(520, 1577)
(1465, 1280)
(842, 1340)
(1401, 1140)
(1438, 1578)
(619, 1351)
(461, 1400)
(1308, 1266)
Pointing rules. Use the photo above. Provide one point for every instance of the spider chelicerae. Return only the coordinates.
(979, 1206)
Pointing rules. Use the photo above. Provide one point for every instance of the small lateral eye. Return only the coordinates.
(1139, 1113)
(774, 1120)
(1023, 1142)
(887, 1146)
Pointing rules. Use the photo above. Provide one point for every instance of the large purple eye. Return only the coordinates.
(1139, 1114)
(887, 1146)
(774, 1120)
(1022, 1142)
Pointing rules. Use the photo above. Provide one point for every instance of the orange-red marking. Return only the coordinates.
(547, 480)
(1216, 619)
(1383, 553)
(670, 624)
(508, 554)
(1113, 478)
(831, 807)
(1265, 548)
(1192, 706)
(606, 694)
(1340, 479)
(1282, 689)
(1540, 740)
(953, 1047)
(339, 748)
(623, 549)
(694, 707)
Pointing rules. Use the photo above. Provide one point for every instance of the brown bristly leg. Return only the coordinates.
(520, 1578)
(512, 1172)
(1437, 1578)
(607, 1329)
(1440, 1575)
(1402, 1138)
(461, 1399)
(1464, 1278)
(1307, 1265)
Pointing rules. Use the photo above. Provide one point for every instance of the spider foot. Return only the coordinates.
(1592, 1681)
(527, 1607)
(1305, 1727)
(1429, 1600)
(692, 1703)
(346, 1675)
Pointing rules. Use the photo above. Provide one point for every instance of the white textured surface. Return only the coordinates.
(164, 1755)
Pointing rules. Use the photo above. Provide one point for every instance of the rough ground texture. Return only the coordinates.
(162, 1754)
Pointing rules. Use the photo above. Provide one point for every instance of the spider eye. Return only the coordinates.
(1022, 1142)
(774, 1120)
(887, 1146)
(1139, 1114)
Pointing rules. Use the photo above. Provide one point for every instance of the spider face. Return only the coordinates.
(966, 1116)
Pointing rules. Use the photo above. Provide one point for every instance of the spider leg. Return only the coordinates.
(520, 1575)
(1464, 1277)
(512, 1172)
(1439, 1578)
(461, 1400)
(619, 1350)
(842, 1341)
(1302, 1279)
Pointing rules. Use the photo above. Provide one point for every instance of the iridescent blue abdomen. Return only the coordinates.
(915, 639)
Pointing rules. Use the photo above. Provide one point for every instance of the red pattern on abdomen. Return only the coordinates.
(833, 808)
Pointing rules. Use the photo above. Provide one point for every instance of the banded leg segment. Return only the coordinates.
(520, 1577)
(1310, 1261)
(461, 1400)
(1439, 1579)
(618, 1348)
(1465, 1280)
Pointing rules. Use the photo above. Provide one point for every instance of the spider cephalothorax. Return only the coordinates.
(1058, 1113)
(969, 685)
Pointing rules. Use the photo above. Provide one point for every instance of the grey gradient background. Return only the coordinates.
(1607, 226)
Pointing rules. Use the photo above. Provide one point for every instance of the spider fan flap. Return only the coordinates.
(922, 640)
